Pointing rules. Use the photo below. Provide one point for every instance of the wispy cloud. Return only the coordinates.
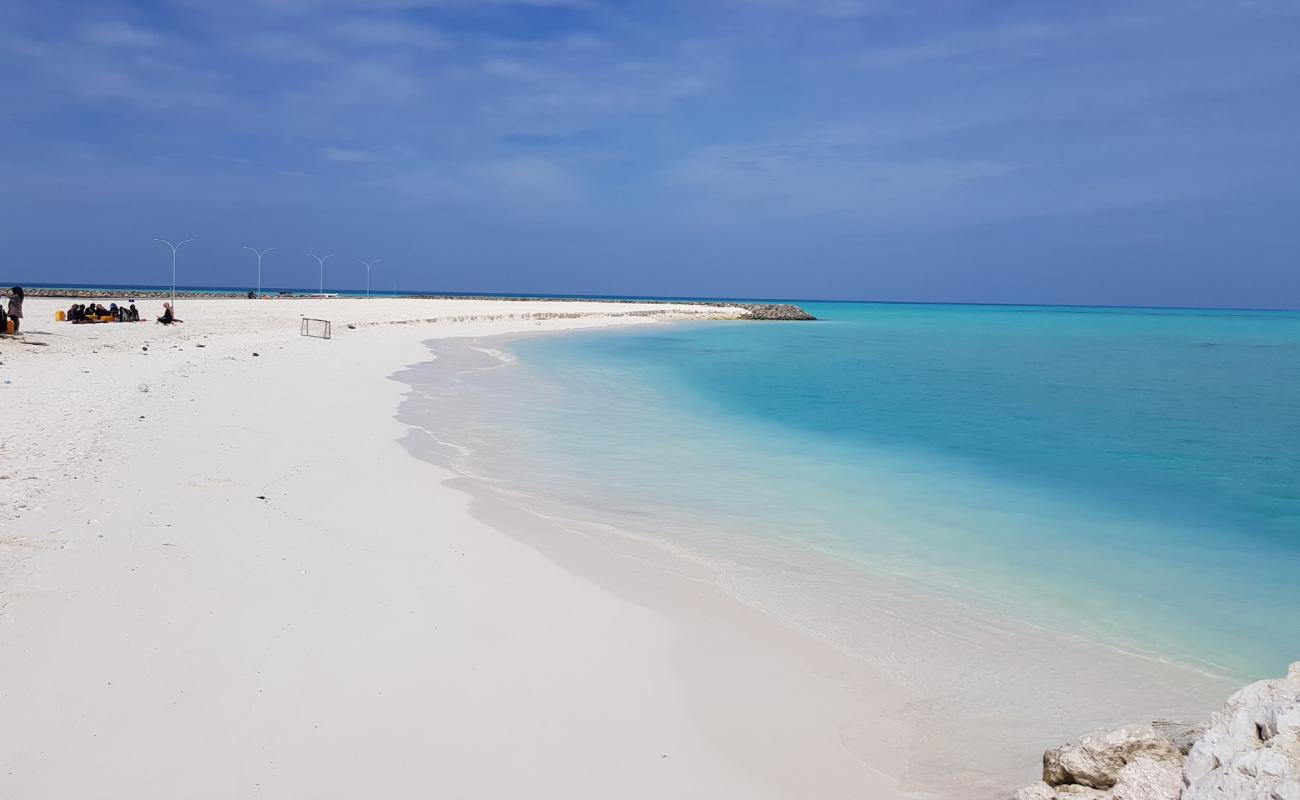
(797, 178)
(526, 187)
(118, 33)
(283, 46)
(617, 91)
(386, 33)
(960, 44)
(515, 70)
(346, 155)
(832, 9)
(156, 84)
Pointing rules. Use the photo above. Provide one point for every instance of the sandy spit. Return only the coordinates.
(222, 575)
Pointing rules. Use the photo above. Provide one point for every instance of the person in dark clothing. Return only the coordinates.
(16, 295)
(133, 313)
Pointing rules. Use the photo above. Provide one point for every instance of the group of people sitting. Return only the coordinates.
(95, 312)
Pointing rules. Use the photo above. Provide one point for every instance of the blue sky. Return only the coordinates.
(1140, 152)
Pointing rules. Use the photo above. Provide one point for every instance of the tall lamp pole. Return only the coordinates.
(322, 261)
(174, 248)
(368, 265)
(259, 254)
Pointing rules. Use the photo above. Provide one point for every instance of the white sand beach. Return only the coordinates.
(222, 575)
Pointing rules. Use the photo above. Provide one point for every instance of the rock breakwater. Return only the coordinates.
(773, 311)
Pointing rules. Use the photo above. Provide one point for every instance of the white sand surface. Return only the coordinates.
(223, 576)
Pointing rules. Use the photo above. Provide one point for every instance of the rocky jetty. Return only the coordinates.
(1250, 750)
(115, 294)
(772, 311)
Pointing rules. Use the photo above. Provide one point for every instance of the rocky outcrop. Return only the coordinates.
(1137, 763)
(1249, 751)
(1097, 759)
(1252, 747)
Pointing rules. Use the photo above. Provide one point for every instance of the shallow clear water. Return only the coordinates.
(1127, 475)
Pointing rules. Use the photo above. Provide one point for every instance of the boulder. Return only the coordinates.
(1036, 791)
(1149, 779)
(1251, 749)
(1097, 759)
(1041, 791)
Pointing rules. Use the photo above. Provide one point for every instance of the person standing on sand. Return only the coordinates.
(16, 295)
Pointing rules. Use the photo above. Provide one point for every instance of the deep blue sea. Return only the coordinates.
(1131, 475)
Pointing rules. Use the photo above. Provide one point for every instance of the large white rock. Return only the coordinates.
(1041, 791)
(1251, 750)
(1097, 759)
(1149, 779)
(1036, 791)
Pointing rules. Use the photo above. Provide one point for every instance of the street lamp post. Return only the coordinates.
(174, 248)
(259, 254)
(368, 265)
(322, 261)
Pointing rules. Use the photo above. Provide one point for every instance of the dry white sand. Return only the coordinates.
(222, 575)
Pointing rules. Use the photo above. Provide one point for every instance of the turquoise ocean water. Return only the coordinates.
(1128, 475)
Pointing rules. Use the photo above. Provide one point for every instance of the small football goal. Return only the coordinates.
(320, 328)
